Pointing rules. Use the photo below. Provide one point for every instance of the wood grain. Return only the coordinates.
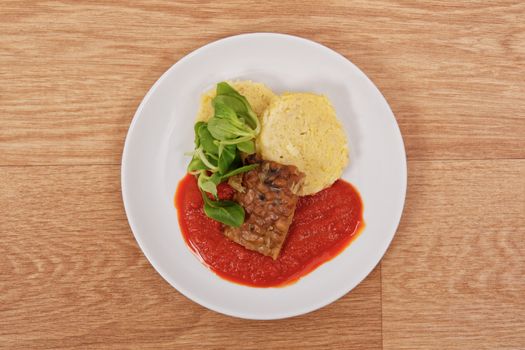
(75, 72)
(71, 275)
(72, 74)
(453, 279)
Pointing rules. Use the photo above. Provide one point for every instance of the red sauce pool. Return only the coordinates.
(324, 225)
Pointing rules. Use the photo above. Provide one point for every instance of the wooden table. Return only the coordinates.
(72, 74)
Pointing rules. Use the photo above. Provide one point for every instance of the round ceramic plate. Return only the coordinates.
(162, 130)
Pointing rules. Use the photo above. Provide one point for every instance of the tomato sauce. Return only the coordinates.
(324, 225)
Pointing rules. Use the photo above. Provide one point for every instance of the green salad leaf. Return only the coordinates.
(226, 124)
(240, 170)
(226, 158)
(228, 212)
(196, 128)
(218, 146)
(247, 147)
(196, 165)
(224, 89)
(206, 140)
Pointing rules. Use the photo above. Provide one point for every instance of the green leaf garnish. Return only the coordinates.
(240, 170)
(226, 158)
(247, 147)
(218, 146)
(196, 164)
(206, 140)
(228, 212)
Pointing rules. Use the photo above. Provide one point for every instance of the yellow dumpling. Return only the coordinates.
(302, 129)
(257, 94)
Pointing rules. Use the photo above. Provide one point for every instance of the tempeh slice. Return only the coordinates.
(269, 200)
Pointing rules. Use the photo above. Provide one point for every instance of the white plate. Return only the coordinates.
(162, 130)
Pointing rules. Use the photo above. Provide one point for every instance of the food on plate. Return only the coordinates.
(258, 95)
(302, 129)
(219, 143)
(262, 203)
(269, 199)
(324, 224)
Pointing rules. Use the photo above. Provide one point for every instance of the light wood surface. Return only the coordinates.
(72, 74)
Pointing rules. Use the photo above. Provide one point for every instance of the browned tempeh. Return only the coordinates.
(269, 200)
